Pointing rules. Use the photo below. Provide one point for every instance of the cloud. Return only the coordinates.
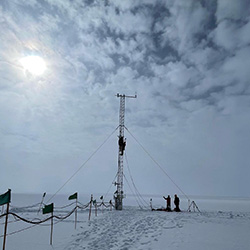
(224, 38)
(232, 10)
(187, 23)
(237, 66)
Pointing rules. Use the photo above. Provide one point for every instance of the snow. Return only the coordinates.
(222, 224)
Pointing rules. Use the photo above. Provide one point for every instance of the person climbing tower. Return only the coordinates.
(122, 145)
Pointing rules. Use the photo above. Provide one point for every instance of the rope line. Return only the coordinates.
(37, 223)
(18, 218)
(132, 180)
(162, 169)
(65, 206)
(13, 221)
(82, 205)
(18, 231)
(30, 222)
(136, 198)
(31, 206)
(110, 187)
(66, 216)
(69, 179)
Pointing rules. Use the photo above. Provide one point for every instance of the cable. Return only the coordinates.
(136, 190)
(133, 192)
(81, 166)
(14, 221)
(162, 169)
(65, 206)
(28, 221)
(110, 187)
(66, 216)
(2, 215)
(83, 206)
(31, 206)
(107, 206)
(18, 231)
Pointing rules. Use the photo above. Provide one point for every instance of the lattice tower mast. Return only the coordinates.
(119, 195)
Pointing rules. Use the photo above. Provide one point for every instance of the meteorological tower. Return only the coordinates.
(119, 195)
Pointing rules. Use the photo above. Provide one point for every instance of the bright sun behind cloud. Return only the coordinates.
(35, 65)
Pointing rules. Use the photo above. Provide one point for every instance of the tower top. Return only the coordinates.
(128, 96)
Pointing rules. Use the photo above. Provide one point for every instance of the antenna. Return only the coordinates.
(119, 195)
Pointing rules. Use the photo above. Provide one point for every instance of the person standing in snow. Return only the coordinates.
(168, 199)
(177, 203)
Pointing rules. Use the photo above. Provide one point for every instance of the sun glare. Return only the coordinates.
(35, 65)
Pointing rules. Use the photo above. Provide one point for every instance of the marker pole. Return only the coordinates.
(6, 223)
(51, 231)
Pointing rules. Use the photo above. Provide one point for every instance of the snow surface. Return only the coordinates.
(222, 224)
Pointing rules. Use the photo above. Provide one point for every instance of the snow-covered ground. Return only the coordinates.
(222, 224)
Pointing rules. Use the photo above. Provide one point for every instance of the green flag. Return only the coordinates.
(48, 208)
(73, 196)
(94, 202)
(5, 198)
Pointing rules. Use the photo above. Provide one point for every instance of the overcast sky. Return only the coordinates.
(189, 63)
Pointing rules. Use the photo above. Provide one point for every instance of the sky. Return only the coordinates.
(187, 61)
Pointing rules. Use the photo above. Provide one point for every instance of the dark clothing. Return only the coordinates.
(177, 203)
(122, 144)
(168, 199)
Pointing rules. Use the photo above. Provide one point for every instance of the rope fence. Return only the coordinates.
(15, 217)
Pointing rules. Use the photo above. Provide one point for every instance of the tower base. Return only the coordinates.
(118, 203)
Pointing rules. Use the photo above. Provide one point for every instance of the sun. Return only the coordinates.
(35, 65)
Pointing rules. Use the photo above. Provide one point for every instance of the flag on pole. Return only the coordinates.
(48, 208)
(73, 196)
(5, 198)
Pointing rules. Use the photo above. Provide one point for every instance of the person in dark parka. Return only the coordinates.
(122, 145)
(168, 199)
(177, 203)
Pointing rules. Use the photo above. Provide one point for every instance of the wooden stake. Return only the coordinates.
(151, 204)
(40, 206)
(95, 209)
(76, 214)
(51, 231)
(6, 223)
(91, 200)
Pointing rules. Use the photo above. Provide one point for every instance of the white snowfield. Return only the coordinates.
(133, 228)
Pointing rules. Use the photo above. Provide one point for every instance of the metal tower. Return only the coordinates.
(119, 195)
